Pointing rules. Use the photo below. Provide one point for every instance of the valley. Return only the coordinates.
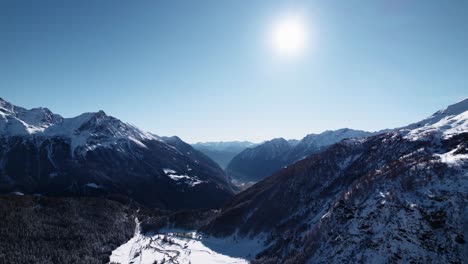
(399, 195)
(393, 196)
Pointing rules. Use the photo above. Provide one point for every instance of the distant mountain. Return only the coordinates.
(256, 163)
(94, 154)
(396, 197)
(222, 152)
(293, 142)
(313, 143)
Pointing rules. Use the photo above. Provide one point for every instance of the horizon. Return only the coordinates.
(211, 72)
(241, 141)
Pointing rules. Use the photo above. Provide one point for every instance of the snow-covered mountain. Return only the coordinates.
(256, 163)
(93, 154)
(313, 143)
(446, 122)
(397, 197)
(86, 132)
(231, 146)
(222, 152)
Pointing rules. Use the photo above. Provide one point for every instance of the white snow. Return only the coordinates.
(445, 128)
(185, 247)
(169, 171)
(19, 121)
(443, 124)
(182, 178)
(453, 159)
(81, 130)
(383, 195)
(189, 180)
(327, 214)
(138, 142)
(176, 177)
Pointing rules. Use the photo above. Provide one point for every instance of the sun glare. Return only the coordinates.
(289, 36)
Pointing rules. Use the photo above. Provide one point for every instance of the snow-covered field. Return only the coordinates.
(184, 247)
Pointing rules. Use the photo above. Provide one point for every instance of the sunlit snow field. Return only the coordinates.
(185, 247)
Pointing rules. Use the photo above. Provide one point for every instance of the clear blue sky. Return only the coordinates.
(202, 69)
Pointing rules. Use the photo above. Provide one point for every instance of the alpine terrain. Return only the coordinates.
(96, 154)
(397, 197)
(254, 164)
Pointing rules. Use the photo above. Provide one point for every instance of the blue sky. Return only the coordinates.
(204, 70)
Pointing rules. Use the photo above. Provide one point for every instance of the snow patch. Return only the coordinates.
(138, 142)
(453, 159)
(189, 180)
(169, 171)
(327, 214)
(444, 128)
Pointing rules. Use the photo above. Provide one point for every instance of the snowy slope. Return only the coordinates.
(16, 120)
(397, 197)
(184, 247)
(444, 123)
(83, 130)
(256, 163)
(314, 143)
(332, 136)
(42, 152)
(451, 111)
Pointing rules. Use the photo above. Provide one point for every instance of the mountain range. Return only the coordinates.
(222, 152)
(395, 197)
(96, 154)
(256, 163)
(345, 196)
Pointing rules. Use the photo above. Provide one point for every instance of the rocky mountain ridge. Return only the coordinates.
(96, 154)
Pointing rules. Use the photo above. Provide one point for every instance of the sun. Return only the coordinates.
(289, 36)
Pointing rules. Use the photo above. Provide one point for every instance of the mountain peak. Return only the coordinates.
(277, 141)
(88, 130)
(444, 123)
(6, 105)
(172, 139)
(451, 111)
(329, 137)
(101, 113)
(454, 109)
